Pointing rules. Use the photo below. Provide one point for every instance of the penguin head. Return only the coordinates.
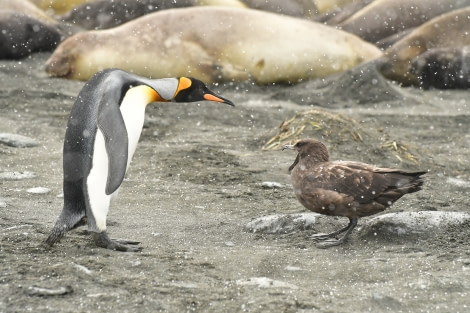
(191, 89)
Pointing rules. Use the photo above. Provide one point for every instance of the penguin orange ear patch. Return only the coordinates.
(184, 83)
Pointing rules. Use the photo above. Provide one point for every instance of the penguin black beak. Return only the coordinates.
(211, 97)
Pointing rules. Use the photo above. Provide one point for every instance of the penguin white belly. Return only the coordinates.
(96, 183)
(133, 112)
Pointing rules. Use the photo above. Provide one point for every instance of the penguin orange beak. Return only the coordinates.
(210, 97)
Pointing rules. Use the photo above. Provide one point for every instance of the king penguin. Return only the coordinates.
(103, 129)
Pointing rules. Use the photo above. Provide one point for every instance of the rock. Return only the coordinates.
(458, 182)
(44, 292)
(349, 86)
(17, 175)
(83, 269)
(403, 224)
(282, 223)
(17, 141)
(38, 190)
(379, 302)
(265, 282)
(292, 268)
(270, 185)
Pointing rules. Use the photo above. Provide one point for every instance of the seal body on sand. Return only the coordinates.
(27, 8)
(298, 8)
(344, 188)
(26, 29)
(444, 68)
(102, 134)
(340, 14)
(450, 30)
(104, 14)
(22, 35)
(58, 6)
(383, 18)
(213, 44)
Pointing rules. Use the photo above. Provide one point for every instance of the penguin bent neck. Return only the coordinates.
(132, 108)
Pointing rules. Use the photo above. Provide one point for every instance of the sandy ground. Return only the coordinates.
(195, 183)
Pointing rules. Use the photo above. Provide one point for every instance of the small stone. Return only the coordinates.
(265, 282)
(39, 190)
(83, 269)
(271, 185)
(17, 141)
(283, 223)
(17, 175)
(44, 292)
(381, 302)
(458, 182)
(418, 223)
(292, 268)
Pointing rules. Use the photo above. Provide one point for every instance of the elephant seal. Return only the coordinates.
(213, 44)
(329, 5)
(26, 29)
(340, 14)
(22, 35)
(298, 8)
(449, 30)
(383, 18)
(56, 7)
(27, 8)
(443, 68)
(105, 14)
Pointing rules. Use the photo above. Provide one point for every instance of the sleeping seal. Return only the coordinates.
(214, 44)
(450, 30)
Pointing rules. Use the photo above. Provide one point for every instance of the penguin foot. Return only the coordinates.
(56, 234)
(62, 226)
(102, 240)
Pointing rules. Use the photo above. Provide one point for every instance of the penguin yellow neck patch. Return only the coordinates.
(148, 93)
(184, 83)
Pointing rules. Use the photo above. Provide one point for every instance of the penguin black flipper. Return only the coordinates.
(112, 126)
(111, 122)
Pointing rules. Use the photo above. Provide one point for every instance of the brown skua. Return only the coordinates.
(345, 188)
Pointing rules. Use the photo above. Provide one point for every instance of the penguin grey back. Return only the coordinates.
(83, 123)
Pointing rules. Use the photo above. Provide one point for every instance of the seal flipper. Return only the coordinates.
(111, 123)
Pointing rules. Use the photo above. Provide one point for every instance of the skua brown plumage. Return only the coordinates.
(345, 188)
